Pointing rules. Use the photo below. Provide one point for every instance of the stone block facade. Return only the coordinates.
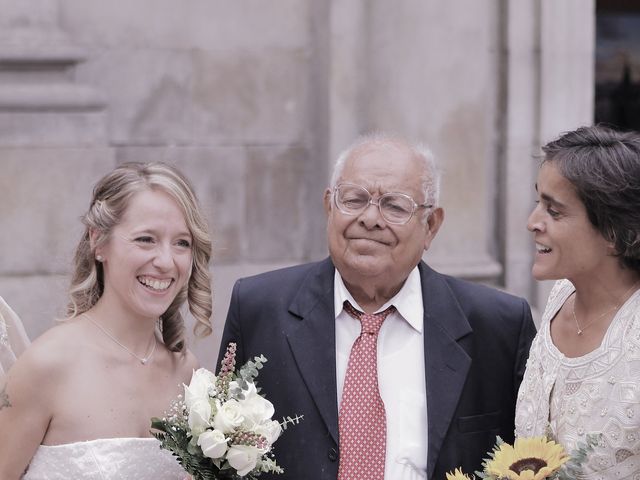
(253, 101)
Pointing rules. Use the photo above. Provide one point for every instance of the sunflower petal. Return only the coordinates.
(533, 458)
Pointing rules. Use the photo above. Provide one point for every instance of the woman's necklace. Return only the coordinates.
(142, 360)
(614, 309)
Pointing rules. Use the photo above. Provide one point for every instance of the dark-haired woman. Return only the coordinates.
(583, 373)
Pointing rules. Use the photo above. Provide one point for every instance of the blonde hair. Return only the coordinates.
(111, 197)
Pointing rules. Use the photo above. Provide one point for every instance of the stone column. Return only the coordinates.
(432, 76)
(53, 147)
(519, 137)
(348, 74)
(549, 89)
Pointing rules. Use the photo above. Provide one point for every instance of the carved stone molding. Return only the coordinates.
(40, 101)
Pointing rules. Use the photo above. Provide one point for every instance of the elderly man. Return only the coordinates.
(400, 372)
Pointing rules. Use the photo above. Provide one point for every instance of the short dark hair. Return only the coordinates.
(603, 165)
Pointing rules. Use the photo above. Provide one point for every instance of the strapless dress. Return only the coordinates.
(105, 459)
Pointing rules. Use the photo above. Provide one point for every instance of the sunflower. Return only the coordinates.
(458, 475)
(533, 458)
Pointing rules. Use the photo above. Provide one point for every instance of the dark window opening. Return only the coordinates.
(617, 69)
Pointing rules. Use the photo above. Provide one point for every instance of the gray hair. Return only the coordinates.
(431, 173)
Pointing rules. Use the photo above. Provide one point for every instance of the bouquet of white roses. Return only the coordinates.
(223, 428)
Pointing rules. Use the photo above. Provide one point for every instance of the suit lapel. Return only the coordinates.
(446, 363)
(312, 341)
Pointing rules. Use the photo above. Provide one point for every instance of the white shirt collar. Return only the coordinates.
(408, 301)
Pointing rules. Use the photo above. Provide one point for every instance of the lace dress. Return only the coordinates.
(598, 393)
(105, 459)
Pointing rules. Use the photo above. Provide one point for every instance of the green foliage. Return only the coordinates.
(178, 441)
(286, 421)
(573, 468)
(250, 371)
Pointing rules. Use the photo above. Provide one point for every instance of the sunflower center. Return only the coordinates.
(532, 463)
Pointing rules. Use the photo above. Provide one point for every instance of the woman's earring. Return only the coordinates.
(99, 258)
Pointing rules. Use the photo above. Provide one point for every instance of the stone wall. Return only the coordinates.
(253, 100)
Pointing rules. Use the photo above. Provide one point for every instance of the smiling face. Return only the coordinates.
(567, 244)
(147, 258)
(365, 249)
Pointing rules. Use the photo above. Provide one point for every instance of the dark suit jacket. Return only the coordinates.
(476, 342)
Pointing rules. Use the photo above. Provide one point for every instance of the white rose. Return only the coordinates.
(199, 415)
(270, 430)
(213, 443)
(198, 389)
(228, 417)
(243, 458)
(255, 407)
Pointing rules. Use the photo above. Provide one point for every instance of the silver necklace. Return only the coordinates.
(142, 360)
(614, 309)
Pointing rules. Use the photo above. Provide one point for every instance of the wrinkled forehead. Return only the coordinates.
(385, 166)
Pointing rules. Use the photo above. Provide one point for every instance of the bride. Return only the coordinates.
(78, 402)
(582, 378)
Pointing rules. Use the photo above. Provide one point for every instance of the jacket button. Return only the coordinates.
(333, 454)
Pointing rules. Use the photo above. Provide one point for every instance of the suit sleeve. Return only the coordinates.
(527, 333)
(232, 328)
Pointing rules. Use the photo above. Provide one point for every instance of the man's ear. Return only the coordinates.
(326, 200)
(434, 222)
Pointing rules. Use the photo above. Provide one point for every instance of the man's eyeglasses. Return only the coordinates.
(396, 208)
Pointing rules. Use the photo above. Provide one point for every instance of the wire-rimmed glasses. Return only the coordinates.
(395, 208)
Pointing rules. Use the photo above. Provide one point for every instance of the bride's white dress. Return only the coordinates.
(102, 459)
(105, 459)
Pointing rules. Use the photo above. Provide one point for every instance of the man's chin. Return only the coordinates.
(363, 265)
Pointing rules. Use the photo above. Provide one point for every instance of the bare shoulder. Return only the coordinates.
(29, 393)
(50, 354)
(32, 382)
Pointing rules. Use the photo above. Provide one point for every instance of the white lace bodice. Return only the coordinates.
(598, 393)
(105, 459)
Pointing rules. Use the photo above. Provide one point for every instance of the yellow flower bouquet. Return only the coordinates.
(535, 458)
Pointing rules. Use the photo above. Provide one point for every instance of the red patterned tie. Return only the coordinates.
(362, 419)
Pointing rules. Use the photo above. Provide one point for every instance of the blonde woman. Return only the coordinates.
(79, 400)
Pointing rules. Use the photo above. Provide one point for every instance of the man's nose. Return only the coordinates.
(371, 217)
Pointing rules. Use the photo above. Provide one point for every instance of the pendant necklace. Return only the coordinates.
(580, 330)
(142, 360)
